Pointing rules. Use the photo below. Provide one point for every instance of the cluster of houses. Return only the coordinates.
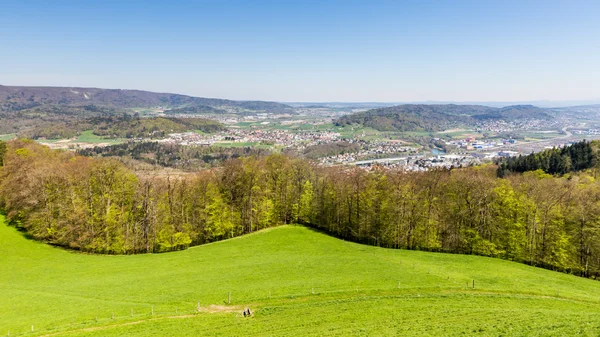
(500, 126)
(191, 138)
(284, 138)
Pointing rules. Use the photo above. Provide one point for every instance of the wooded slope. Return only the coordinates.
(101, 206)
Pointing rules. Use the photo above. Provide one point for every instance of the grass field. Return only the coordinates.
(86, 137)
(296, 282)
(89, 137)
(8, 137)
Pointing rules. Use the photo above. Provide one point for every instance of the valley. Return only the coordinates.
(445, 136)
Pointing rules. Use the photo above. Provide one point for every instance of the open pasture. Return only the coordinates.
(296, 282)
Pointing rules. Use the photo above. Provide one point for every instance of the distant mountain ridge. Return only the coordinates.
(437, 117)
(16, 98)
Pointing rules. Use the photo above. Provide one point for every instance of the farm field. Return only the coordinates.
(85, 139)
(89, 137)
(295, 280)
(8, 137)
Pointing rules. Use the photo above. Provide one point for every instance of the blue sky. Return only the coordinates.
(309, 50)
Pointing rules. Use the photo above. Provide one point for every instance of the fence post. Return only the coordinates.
(229, 298)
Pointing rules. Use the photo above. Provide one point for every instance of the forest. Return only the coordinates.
(120, 126)
(127, 126)
(576, 157)
(99, 205)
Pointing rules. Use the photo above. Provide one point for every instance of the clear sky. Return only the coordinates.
(286, 50)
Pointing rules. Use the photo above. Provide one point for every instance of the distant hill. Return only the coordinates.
(35, 108)
(437, 117)
(21, 98)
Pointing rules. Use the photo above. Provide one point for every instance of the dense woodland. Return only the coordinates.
(49, 121)
(99, 205)
(127, 126)
(195, 110)
(121, 126)
(573, 158)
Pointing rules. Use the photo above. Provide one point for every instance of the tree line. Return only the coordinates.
(99, 205)
(189, 157)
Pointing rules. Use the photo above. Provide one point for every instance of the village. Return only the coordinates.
(390, 154)
(251, 137)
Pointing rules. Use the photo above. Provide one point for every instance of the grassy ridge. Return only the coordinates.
(358, 290)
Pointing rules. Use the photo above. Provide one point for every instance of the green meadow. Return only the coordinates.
(89, 137)
(85, 137)
(295, 280)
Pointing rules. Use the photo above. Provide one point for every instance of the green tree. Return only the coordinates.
(305, 206)
(3, 149)
(219, 221)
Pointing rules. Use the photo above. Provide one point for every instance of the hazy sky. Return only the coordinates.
(285, 50)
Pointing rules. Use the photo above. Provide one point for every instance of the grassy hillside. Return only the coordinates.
(358, 290)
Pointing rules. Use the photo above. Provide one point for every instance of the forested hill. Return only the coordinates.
(31, 108)
(438, 117)
(122, 126)
(23, 98)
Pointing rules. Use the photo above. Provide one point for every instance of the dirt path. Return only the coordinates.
(212, 309)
